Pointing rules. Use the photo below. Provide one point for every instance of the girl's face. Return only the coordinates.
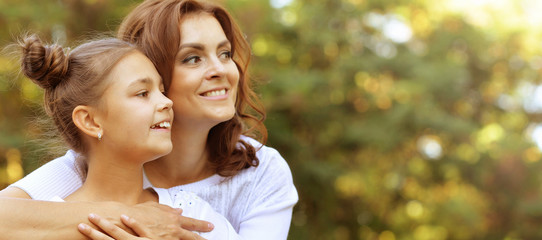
(205, 78)
(136, 116)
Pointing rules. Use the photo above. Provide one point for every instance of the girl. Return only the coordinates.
(106, 99)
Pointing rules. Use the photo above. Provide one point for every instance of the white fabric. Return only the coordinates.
(258, 201)
(195, 207)
(56, 199)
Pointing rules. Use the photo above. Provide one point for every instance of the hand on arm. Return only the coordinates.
(32, 219)
(112, 231)
(169, 224)
(115, 232)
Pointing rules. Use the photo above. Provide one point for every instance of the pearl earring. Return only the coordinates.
(100, 136)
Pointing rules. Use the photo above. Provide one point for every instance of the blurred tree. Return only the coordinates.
(401, 120)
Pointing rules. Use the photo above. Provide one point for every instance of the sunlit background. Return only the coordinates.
(414, 120)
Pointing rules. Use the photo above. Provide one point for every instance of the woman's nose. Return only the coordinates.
(216, 68)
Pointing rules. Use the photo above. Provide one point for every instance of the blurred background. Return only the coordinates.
(414, 120)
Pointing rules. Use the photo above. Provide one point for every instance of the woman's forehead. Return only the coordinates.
(197, 27)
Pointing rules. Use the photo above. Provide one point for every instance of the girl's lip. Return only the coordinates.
(162, 124)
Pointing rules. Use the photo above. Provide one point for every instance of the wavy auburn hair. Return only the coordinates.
(154, 26)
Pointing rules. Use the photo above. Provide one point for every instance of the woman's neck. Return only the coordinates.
(187, 163)
(113, 178)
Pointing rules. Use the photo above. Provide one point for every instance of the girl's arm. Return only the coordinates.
(32, 219)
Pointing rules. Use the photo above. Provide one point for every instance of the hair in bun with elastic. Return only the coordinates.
(46, 65)
(79, 78)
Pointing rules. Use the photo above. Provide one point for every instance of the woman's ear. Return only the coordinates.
(84, 119)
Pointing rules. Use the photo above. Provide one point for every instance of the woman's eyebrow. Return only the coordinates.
(192, 45)
(224, 43)
(199, 46)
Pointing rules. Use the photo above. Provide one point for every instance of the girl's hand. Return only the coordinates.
(167, 223)
(112, 231)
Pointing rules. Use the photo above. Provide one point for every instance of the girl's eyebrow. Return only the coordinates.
(144, 80)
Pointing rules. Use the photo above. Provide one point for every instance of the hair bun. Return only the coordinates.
(46, 65)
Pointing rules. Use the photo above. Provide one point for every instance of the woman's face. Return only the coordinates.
(134, 113)
(205, 78)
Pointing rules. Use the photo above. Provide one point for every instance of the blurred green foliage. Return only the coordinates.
(400, 119)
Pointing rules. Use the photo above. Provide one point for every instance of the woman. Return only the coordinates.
(202, 57)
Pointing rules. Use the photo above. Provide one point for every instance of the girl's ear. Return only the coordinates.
(84, 119)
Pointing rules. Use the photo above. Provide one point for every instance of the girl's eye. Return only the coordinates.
(192, 59)
(143, 94)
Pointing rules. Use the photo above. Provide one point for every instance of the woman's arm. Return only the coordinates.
(32, 219)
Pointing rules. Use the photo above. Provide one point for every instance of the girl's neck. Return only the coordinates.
(187, 163)
(113, 178)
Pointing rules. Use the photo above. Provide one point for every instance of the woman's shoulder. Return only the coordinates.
(271, 163)
(65, 163)
(266, 155)
(66, 159)
(59, 177)
(60, 164)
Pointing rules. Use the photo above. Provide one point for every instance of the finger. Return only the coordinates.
(195, 224)
(161, 206)
(92, 233)
(108, 227)
(188, 235)
(178, 210)
(138, 228)
(198, 237)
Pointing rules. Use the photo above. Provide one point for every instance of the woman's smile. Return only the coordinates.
(205, 77)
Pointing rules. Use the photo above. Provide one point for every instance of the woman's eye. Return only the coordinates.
(192, 59)
(143, 94)
(226, 55)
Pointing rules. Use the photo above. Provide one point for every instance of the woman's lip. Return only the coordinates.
(215, 93)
